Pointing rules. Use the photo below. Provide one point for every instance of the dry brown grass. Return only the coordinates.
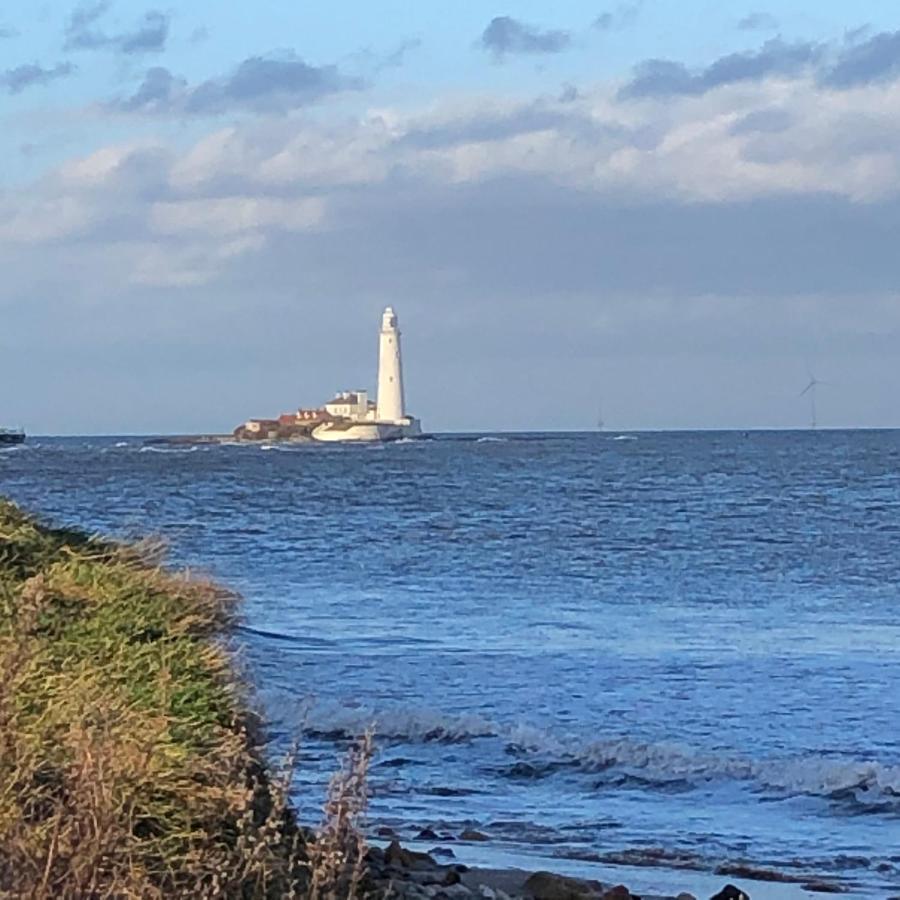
(337, 857)
(129, 764)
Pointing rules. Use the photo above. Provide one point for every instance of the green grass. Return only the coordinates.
(130, 765)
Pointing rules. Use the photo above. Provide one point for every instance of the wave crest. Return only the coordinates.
(406, 726)
(663, 765)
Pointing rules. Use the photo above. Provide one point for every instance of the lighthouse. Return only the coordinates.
(353, 417)
(391, 407)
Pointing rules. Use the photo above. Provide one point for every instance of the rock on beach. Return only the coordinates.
(412, 875)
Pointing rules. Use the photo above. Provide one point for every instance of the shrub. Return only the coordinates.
(130, 765)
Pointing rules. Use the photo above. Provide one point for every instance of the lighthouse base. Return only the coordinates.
(359, 432)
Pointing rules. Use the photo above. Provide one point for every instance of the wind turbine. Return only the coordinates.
(811, 390)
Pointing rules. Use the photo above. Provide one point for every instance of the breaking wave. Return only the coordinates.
(192, 449)
(286, 447)
(412, 726)
(867, 785)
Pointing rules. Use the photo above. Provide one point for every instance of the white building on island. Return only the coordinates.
(351, 405)
(355, 417)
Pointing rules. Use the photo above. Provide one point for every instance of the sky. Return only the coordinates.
(677, 214)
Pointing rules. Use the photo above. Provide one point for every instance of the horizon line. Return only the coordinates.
(598, 431)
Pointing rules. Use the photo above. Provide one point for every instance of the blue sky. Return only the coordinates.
(680, 208)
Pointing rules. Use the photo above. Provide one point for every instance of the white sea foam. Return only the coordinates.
(862, 781)
(192, 449)
(868, 782)
(491, 440)
(411, 725)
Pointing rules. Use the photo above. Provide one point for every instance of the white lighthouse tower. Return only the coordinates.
(388, 420)
(391, 406)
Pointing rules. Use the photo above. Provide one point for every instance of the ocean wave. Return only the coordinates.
(491, 440)
(295, 447)
(865, 782)
(407, 726)
(866, 785)
(192, 449)
(286, 447)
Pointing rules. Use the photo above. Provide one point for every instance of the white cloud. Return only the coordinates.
(97, 168)
(687, 148)
(279, 174)
(164, 214)
(44, 219)
(234, 215)
(178, 266)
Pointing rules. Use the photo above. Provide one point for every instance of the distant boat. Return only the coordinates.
(9, 436)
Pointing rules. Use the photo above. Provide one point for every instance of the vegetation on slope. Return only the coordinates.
(129, 765)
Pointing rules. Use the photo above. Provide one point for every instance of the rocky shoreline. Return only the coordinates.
(190, 440)
(402, 873)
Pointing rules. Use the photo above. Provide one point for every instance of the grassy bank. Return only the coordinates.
(129, 763)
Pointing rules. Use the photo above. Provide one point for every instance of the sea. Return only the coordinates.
(669, 659)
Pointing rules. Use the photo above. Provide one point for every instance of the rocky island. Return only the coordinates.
(350, 415)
